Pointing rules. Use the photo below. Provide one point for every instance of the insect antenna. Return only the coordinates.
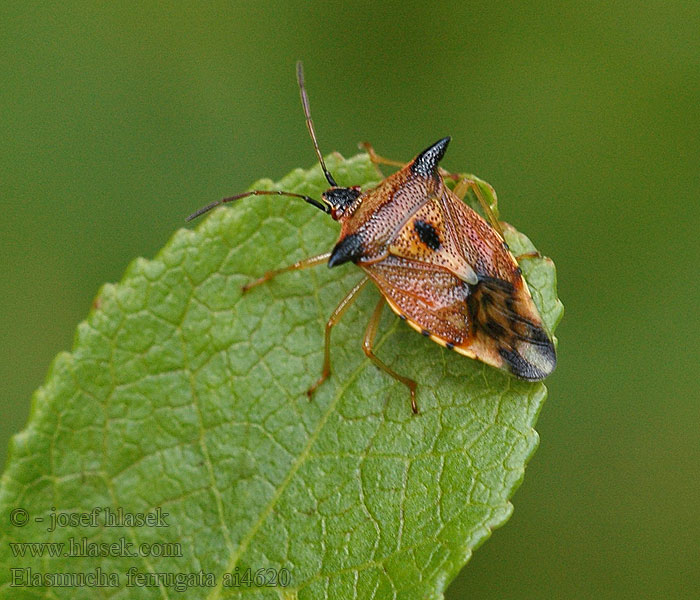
(208, 207)
(310, 126)
(310, 123)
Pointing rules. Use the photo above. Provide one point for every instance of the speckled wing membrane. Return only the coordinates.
(445, 270)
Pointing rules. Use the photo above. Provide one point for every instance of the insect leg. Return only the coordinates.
(464, 185)
(448, 175)
(334, 318)
(379, 160)
(533, 254)
(368, 342)
(312, 261)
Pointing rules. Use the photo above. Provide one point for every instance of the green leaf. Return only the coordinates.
(182, 394)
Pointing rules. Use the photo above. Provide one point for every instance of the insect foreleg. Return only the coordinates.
(334, 318)
(312, 261)
(368, 342)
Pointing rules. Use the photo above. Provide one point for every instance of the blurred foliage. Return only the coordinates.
(117, 119)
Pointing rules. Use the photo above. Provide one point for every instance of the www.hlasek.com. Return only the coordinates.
(83, 547)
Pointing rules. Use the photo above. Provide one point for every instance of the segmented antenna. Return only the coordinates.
(310, 123)
(208, 207)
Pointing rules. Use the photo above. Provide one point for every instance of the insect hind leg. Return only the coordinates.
(465, 184)
(367, 346)
(532, 254)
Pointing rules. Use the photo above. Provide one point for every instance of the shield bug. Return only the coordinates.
(439, 265)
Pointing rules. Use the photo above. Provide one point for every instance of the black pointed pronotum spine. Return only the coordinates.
(426, 163)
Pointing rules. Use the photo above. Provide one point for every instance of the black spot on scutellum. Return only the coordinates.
(426, 163)
(348, 249)
(427, 234)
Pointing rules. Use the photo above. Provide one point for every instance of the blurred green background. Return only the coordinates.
(118, 119)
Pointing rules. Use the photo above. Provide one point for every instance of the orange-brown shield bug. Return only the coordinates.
(439, 265)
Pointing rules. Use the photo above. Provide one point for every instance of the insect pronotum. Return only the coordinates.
(438, 264)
